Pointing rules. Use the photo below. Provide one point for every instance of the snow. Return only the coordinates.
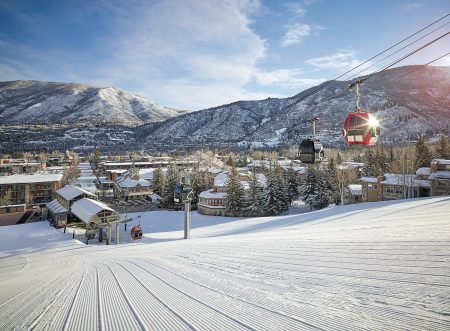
(370, 266)
(441, 174)
(28, 179)
(212, 195)
(369, 179)
(355, 189)
(70, 192)
(424, 171)
(56, 207)
(220, 179)
(85, 208)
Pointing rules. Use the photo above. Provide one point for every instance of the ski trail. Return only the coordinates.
(159, 300)
(245, 302)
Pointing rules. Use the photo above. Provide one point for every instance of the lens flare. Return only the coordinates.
(373, 121)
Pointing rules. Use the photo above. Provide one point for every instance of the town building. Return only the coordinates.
(29, 189)
(130, 186)
(440, 177)
(59, 209)
(212, 201)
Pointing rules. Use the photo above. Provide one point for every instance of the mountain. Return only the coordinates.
(414, 104)
(37, 102)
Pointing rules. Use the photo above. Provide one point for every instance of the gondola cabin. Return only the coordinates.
(361, 128)
(136, 233)
(311, 151)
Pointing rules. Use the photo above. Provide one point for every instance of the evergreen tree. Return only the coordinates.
(423, 155)
(200, 184)
(271, 204)
(316, 189)
(234, 200)
(443, 149)
(159, 181)
(256, 195)
(172, 180)
(283, 197)
(369, 169)
(292, 186)
(308, 187)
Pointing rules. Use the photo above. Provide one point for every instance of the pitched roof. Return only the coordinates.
(70, 192)
(355, 189)
(85, 208)
(56, 207)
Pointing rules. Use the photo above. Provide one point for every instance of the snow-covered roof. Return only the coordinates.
(56, 207)
(128, 182)
(369, 179)
(441, 161)
(406, 180)
(70, 192)
(85, 208)
(440, 174)
(29, 179)
(215, 170)
(355, 189)
(425, 171)
(210, 194)
(117, 171)
(220, 179)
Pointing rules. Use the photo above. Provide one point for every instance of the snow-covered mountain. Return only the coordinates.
(415, 104)
(46, 102)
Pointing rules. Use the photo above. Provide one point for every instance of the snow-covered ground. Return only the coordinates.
(377, 266)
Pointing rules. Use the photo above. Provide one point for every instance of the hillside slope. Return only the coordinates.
(376, 266)
(415, 104)
(36, 102)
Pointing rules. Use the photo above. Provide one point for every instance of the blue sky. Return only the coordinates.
(193, 54)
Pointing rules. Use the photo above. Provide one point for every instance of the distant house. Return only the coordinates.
(212, 202)
(355, 193)
(440, 177)
(30, 189)
(130, 186)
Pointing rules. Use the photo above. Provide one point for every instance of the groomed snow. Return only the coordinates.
(375, 266)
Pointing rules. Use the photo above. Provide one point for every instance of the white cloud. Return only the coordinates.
(296, 8)
(342, 60)
(295, 34)
(178, 49)
(289, 78)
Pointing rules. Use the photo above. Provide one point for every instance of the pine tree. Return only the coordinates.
(308, 187)
(423, 155)
(316, 189)
(256, 195)
(283, 198)
(443, 149)
(200, 184)
(292, 185)
(271, 203)
(234, 200)
(159, 181)
(172, 180)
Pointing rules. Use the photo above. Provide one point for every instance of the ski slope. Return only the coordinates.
(376, 266)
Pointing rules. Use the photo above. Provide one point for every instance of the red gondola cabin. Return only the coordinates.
(136, 233)
(361, 128)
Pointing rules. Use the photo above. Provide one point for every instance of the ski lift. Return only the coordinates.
(311, 150)
(136, 232)
(183, 191)
(360, 127)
